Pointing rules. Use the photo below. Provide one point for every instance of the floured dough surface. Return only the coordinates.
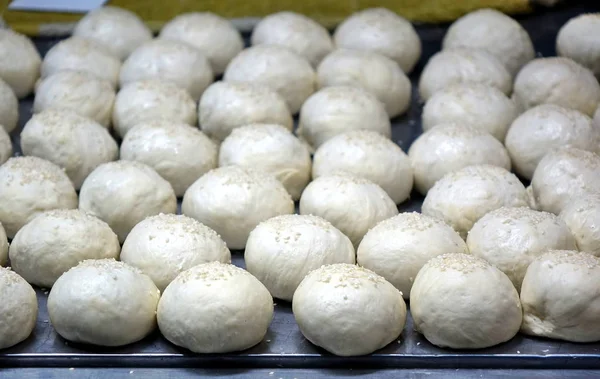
(19, 63)
(582, 216)
(18, 308)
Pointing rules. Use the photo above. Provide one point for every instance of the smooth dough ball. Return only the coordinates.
(462, 197)
(18, 308)
(240, 311)
(370, 155)
(30, 186)
(282, 250)
(123, 193)
(57, 240)
(19, 63)
(463, 302)
(118, 29)
(475, 104)
(371, 71)
(352, 204)
(151, 99)
(348, 310)
(299, 33)
(272, 149)
(582, 216)
(557, 80)
(3, 247)
(6, 149)
(398, 247)
(450, 147)
(103, 302)
(215, 36)
(511, 238)
(178, 152)
(232, 200)
(165, 245)
(174, 61)
(578, 40)
(73, 142)
(545, 128)
(9, 108)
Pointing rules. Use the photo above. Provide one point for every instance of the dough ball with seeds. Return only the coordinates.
(582, 216)
(3, 247)
(6, 149)
(9, 108)
(20, 62)
(18, 308)
(578, 40)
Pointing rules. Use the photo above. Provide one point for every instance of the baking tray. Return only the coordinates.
(284, 346)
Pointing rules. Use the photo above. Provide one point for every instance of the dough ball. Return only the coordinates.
(3, 247)
(511, 238)
(6, 149)
(475, 104)
(301, 34)
(30, 186)
(103, 302)
(165, 245)
(381, 31)
(57, 240)
(578, 40)
(282, 250)
(462, 197)
(20, 62)
(348, 310)
(226, 106)
(561, 297)
(18, 308)
(118, 29)
(462, 302)
(373, 72)
(272, 149)
(75, 143)
(398, 247)
(352, 204)
(123, 193)
(240, 313)
(495, 32)
(174, 61)
(557, 80)
(450, 147)
(545, 128)
(232, 200)
(370, 155)
(337, 109)
(9, 108)
(582, 216)
(215, 36)
(79, 91)
(151, 99)
(178, 152)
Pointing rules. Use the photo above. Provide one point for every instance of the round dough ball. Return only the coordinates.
(103, 302)
(57, 240)
(272, 149)
(475, 104)
(3, 247)
(215, 36)
(301, 34)
(30, 186)
(232, 200)
(9, 108)
(123, 193)
(151, 99)
(6, 149)
(463, 302)
(582, 216)
(20, 62)
(73, 142)
(18, 308)
(348, 310)
(352, 204)
(282, 250)
(370, 155)
(371, 71)
(462, 197)
(578, 40)
(240, 313)
(118, 29)
(178, 152)
(557, 80)
(450, 147)
(165, 245)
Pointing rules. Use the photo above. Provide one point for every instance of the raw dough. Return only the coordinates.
(3, 247)
(578, 40)
(18, 308)
(582, 216)
(6, 149)
(9, 107)
(19, 63)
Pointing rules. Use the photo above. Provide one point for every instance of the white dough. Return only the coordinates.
(6, 149)
(3, 247)
(578, 39)
(9, 107)
(19, 62)
(18, 308)
(582, 216)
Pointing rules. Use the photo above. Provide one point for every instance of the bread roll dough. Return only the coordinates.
(20, 62)
(9, 107)
(240, 311)
(462, 302)
(232, 200)
(57, 240)
(3, 247)
(103, 302)
(370, 155)
(18, 308)
(6, 149)
(165, 245)
(578, 40)
(272, 149)
(282, 250)
(582, 216)
(348, 310)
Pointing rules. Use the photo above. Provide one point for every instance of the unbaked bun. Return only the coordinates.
(582, 216)
(578, 40)
(6, 149)
(20, 62)
(18, 308)
(9, 107)
(3, 247)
